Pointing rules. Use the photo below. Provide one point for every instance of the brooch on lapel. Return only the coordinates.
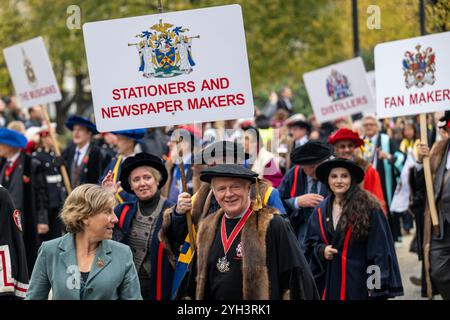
(26, 179)
(100, 263)
(85, 159)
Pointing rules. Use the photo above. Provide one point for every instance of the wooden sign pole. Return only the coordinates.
(427, 171)
(57, 150)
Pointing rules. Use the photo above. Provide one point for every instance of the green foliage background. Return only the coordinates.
(285, 38)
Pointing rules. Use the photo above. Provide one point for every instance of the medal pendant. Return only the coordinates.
(223, 265)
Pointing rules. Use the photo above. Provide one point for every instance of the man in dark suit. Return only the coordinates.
(84, 160)
(23, 177)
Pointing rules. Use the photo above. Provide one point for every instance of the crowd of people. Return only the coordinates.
(278, 206)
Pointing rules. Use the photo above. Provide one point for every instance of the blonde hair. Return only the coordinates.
(83, 202)
(155, 173)
(17, 126)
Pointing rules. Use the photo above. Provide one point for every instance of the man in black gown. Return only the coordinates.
(247, 251)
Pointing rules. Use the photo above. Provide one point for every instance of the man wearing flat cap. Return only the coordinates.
(247, 251)
(299, 131)
(23, 177)
(300, 190)
(84, 160)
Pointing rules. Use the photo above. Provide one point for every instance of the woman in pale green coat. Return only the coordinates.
(85, 264)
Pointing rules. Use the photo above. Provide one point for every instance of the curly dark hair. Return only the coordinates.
(357, 207)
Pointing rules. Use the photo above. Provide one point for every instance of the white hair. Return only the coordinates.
(372, 117)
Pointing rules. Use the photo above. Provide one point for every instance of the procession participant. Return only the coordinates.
(12, 249)
(345, 143)
(299, 130)
(85, 264)
(107, 142)
(190, 137)
(140, 221)
(262, 161)
(55, 186)
(436, 243)
(155, 142)
(126, 143)
(203, 203)
(300, 190)
(24, 179)
(34, 117)
(85, 161)
(246, 251)
(348, 239)
(380, 153)
(402, 195)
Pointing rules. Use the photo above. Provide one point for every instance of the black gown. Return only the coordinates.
(286, 265)
(362, 269)
(13, 263)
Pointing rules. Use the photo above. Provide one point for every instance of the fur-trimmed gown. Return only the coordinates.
(266, 261)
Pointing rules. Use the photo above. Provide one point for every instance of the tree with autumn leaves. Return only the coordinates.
(285, 38)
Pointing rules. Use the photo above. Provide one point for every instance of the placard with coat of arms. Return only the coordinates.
(167, 69)
(413, 75)
(339, 90)
(32, 73)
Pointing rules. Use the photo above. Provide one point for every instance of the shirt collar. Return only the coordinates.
(302, 141)
(14, 157)
(239, 216)
(83, 149)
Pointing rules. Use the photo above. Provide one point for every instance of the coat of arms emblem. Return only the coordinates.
(29, 71)
(165, 51)
(419, 67)
(338, 86)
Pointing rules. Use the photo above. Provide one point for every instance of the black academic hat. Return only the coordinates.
(221, 152)
(228, 171)
(139, 160)
(262, 122)
(323, 170)
(298, 120)
(311, 153)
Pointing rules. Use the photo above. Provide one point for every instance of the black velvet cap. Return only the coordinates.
(228, 171)
(311, 153)
(323, 170)
(221, 152)
(140, 160)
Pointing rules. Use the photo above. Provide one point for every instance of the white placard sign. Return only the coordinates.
(339, 90)
(372, 84)
(413, 75)
(31, 73)
(166, 69)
